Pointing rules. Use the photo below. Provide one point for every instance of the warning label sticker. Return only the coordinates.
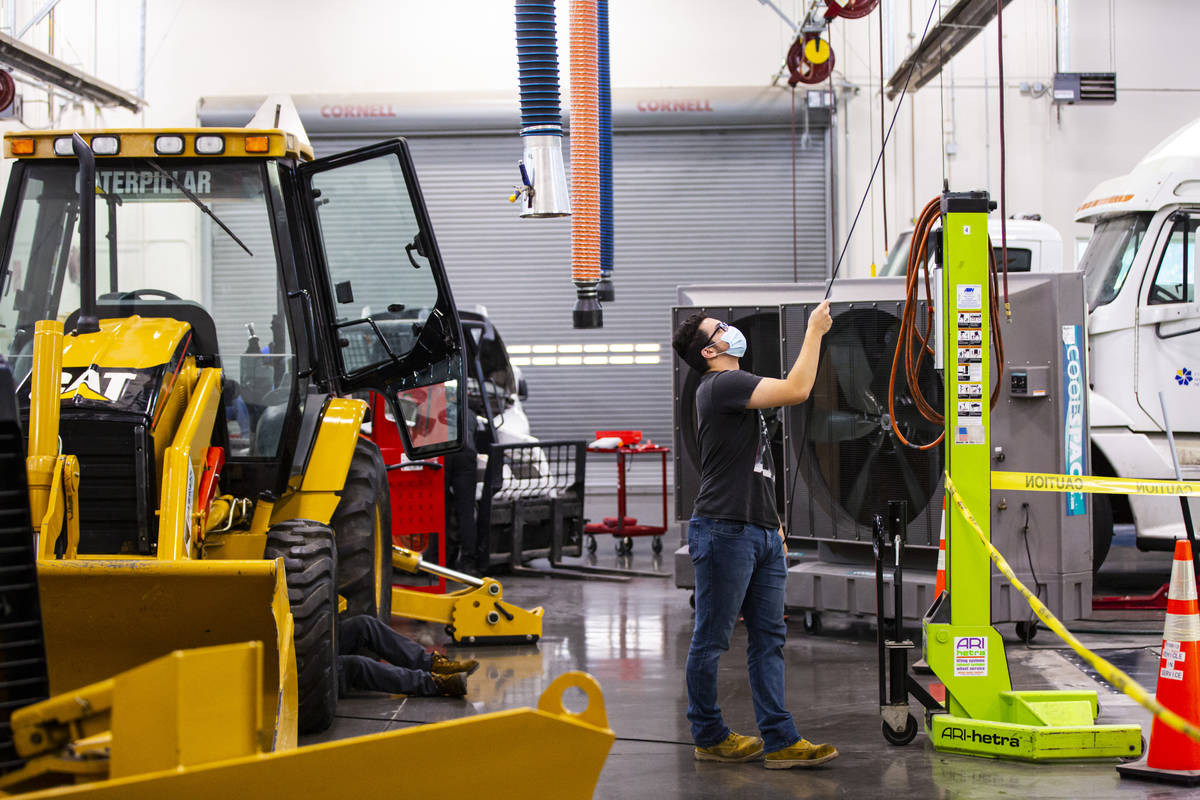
(970, 391)
(970, 372)
(970, 336)
(970, 354)
(970, 320)
(970, 656)
(970, 298)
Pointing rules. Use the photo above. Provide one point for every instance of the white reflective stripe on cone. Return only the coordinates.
(1183, 582)
(1182, 628)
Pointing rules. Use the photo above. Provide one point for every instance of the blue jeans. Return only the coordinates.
(739, 567)
(407, 672)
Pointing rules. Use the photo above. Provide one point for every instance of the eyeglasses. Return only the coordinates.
(721, 326)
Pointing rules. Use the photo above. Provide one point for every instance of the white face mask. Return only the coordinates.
(736, 341)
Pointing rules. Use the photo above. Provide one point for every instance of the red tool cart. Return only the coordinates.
(418, 500)
(621, 527)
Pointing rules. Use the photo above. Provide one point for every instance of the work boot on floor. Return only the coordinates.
(452, 685)
(734, 750)
(444, 666)
(802, 754)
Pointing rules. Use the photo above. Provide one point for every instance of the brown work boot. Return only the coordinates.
(452, 685)
(444, 666)
(734, 750)
(802, 754)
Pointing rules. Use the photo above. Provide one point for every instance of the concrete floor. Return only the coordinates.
(633, 638)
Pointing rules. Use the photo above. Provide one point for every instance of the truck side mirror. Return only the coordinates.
(522, 389)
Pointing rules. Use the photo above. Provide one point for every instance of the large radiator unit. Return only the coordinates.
(842, 460)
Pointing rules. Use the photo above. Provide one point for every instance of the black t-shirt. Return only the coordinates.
(737, 476)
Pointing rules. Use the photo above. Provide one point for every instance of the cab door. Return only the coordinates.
(386, 308)
(1168, 326)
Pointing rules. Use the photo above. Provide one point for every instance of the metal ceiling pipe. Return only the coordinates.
(543, 176)
(585, 165)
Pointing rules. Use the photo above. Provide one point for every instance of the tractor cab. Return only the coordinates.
(299, 278)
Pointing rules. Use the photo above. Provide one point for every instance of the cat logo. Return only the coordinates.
(88, 385)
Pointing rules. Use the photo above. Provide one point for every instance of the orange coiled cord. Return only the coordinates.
(585, 143)
(912, 339)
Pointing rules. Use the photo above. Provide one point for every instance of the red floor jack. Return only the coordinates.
(895, 682)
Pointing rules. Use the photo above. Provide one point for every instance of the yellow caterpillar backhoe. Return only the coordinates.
(191, 486)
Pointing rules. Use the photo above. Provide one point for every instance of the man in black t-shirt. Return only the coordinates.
(737, 543)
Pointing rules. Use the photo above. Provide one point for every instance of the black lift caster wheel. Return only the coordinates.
(905, 736)
(1027, 631)
(812, 622)
(656, 544)
(692, 600)
(591, 543)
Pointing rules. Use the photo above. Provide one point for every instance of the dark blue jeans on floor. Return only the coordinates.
(739, 568)
(408, 672)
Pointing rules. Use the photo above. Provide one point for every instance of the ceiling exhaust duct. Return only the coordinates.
(585, 165)
(543, 191)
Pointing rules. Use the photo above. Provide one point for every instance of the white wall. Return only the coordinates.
(223, 47)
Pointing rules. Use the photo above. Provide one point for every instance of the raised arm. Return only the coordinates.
(795, 388)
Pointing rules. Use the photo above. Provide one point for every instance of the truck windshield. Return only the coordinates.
(1109, 255)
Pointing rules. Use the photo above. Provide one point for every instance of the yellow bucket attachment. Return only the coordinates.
(542, 752)
(102, 617)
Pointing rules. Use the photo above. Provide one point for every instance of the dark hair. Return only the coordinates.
(688, 341)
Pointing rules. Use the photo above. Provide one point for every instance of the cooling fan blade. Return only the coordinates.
(853, 369)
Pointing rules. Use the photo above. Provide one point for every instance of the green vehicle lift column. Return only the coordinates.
(985, 716)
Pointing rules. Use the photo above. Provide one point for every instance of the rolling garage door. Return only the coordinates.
(692, 204)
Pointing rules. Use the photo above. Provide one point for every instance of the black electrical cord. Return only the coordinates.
(882, 146)
(1038, 586)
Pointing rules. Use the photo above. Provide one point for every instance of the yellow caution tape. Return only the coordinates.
(1043, 482)
(1107, 671)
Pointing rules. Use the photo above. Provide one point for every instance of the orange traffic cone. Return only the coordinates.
(1171, 756)
(939, 586)
(939, 583)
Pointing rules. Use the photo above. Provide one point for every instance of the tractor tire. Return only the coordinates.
(362, 524)
(310, 563)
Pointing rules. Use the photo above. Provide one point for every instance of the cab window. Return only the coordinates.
(1175, 278)
(381, 282)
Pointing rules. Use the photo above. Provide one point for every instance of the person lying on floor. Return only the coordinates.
(363, 640)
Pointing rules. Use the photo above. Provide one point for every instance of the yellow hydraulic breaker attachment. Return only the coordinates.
(102, 617)
(475, 615)
(180, 727)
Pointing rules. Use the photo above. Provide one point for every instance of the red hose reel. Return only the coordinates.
(801, 64)
(850, 9)
(810, 59)
(8, 89)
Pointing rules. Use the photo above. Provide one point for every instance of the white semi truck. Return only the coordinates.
(1144, 332)
(1143, 328)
